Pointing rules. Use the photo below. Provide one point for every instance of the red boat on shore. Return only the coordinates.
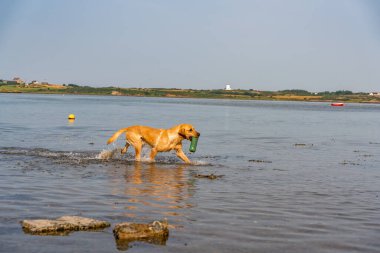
(337, 104)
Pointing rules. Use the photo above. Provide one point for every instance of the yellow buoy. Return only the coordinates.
(71, 116)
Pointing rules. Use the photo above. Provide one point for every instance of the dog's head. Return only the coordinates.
(187, 131)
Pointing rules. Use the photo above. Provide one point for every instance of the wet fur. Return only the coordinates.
(160, 140)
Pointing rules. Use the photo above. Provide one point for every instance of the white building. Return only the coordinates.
(228, 87)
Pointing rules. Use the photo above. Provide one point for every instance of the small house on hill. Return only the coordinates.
(18, 80)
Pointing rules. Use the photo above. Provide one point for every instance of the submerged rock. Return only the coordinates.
(156, 232)
(209, 176)
(349, 163)
(303, 145)
(259, 161)
(62, 225)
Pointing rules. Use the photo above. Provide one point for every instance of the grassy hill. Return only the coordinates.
(285, 95)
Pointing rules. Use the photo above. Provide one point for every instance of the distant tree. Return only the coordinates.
(324, 93)
(295, 92)
(343, 92)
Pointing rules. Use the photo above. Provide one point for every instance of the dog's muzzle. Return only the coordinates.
(197, 136)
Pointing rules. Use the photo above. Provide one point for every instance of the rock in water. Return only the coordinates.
(210, 176)
(83, 223)
(62, 225)
(156, 232)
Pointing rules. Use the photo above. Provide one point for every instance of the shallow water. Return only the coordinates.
(298, 177)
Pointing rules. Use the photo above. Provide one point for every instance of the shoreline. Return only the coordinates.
(193, 94)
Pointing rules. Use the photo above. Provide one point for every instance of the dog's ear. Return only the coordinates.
(182, 132)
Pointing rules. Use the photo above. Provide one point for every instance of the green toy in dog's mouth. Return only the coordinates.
(193, 145)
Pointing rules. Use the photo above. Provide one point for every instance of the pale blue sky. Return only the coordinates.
(315, 45)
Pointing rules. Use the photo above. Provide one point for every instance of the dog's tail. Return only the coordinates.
(116, 135)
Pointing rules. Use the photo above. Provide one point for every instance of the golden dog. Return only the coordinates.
(160, 140)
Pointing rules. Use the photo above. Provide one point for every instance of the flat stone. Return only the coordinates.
(156, 232)
(62, 225)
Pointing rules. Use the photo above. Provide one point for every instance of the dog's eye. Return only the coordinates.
(190, 130)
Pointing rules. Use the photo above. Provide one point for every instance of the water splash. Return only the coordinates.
(201, 163)
(106, 154)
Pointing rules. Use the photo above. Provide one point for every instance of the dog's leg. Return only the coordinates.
(125, 148)
(182, 155)
(136, 141)
(138, 148)
(153, 154)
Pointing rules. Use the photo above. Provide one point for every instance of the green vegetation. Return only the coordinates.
(284, 95)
